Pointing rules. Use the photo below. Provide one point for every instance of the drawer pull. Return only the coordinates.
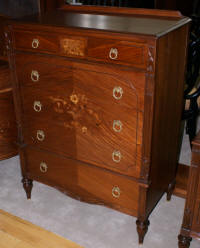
(84, 130)
(116, 192)
(43, 167)
(40, 135)
(35, 76)
(37, 106)
(35, 43)
(116, 156)
(117, 126)
(74, 98)
(117, 92)
(113, 54)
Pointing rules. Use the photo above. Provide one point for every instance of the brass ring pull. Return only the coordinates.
(40, 135)
(35, 76)
(117, 126)
(43, 167)
(113, 54)
(116, 192)
(74, 98)
(35, 43)
(116, 156)
(37, 106)
(117, 92)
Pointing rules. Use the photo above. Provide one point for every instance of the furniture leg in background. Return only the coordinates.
(191, 220)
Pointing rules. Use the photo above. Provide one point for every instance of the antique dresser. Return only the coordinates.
(98, 96)
(191, 219)
(8, 127)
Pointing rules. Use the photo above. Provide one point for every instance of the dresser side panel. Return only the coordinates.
(168, 106)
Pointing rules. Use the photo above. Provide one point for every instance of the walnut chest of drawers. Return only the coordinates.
(98, 99)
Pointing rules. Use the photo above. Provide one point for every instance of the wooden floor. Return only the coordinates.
(17, 233)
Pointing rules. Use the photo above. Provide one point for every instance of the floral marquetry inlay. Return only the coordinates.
(82, 113)
(74, 47)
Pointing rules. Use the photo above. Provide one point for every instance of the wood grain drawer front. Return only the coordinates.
(87, 182)
(71, 46)
(119, 52)
(99, 146)
(36, 42)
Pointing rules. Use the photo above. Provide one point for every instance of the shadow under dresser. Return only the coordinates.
(98, 99)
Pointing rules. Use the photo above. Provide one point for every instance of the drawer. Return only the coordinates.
(85, 181)
(97, 145)
(50, 43)
(106, 50)
(119, 52)
(35, 42)
(59, 79)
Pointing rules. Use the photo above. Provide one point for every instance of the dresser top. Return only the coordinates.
(153, 25)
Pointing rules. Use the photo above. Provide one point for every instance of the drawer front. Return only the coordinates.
(36, 42)
(106, 50)
(99, 146)
(82, 180)
(50, 43)
(119, 52)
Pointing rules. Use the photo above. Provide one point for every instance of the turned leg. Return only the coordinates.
(142, 228)
(28, 185)
(170, 190)
(183, 241)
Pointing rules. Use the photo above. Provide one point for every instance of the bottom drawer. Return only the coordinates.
(88, 183)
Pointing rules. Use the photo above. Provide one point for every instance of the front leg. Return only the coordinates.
(28, 185)
(142, 228)
(184, 241)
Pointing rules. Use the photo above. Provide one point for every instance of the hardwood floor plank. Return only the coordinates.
(7, 241)
(28, 235)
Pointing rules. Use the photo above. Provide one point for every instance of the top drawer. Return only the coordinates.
(51, 43)
(118, 52)
(90, 48)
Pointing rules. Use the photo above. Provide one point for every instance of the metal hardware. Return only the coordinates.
(35, 43)
(116, 192)
(43, 167)
(117, 92)
(37, 106)
(113, 54)
(116, 156)
(40, 135)
(117, 126)
(74, 98)
(84, 129)
(35, 76)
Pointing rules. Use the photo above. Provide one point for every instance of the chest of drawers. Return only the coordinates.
(98, 100)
